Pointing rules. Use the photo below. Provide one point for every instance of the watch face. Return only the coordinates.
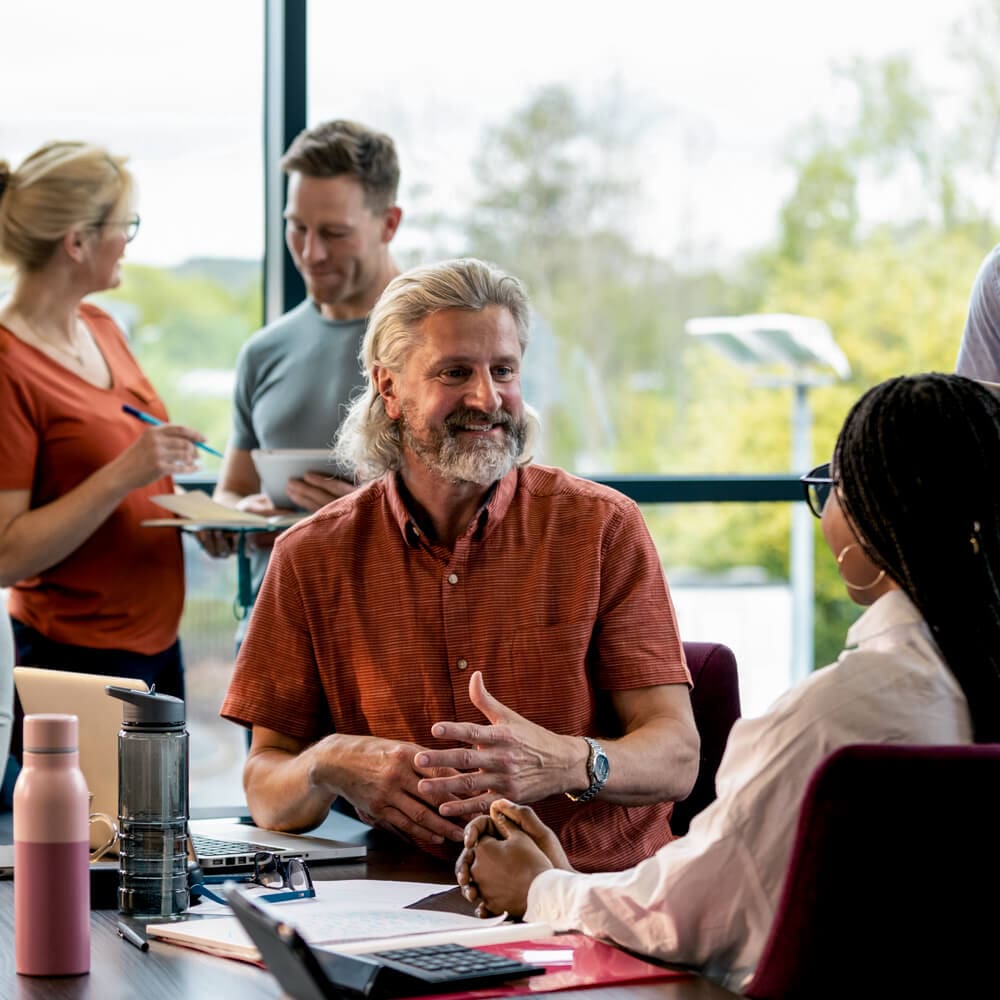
(601, 767)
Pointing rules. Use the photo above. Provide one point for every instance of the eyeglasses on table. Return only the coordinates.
(291, 875)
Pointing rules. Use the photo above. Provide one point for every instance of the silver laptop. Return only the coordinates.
(219, 844)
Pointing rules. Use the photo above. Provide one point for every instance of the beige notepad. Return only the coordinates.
(198, 510)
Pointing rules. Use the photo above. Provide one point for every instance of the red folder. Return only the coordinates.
(571, 961)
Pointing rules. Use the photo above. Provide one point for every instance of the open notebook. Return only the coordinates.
(219, 844)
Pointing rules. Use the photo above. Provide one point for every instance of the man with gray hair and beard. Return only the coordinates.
(466, 626)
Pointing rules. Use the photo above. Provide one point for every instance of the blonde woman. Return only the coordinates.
(90, 589)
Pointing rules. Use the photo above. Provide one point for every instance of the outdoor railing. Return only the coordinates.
(768, 488)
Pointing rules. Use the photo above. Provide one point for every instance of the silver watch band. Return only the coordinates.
(598, 769)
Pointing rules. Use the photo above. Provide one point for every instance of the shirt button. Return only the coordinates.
(453, 578)
(462, 664)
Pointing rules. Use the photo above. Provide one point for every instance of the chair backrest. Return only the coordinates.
(892, 880)
(715, 700)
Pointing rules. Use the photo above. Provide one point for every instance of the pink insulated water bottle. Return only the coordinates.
(51, 852)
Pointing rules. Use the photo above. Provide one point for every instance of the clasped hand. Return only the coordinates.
(503, 854)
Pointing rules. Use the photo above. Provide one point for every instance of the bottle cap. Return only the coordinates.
(48, 733)
(147, 709)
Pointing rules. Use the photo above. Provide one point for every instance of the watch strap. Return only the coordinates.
(596, 782)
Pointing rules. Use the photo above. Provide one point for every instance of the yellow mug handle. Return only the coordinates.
(102, 849)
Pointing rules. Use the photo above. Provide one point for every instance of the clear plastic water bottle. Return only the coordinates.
(152, 804)
(51, 852)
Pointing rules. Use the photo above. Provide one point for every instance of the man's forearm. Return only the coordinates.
(656, 762)
(283, 790)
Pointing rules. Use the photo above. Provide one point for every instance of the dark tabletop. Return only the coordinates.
(168, 972)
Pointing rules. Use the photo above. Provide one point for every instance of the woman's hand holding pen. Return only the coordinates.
(159, 451)
(33, 539)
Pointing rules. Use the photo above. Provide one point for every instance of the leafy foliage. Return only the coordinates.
(186, 323)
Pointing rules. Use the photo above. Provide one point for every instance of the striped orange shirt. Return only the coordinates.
(555, 592)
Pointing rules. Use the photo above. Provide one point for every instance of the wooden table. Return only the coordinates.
(120, 971)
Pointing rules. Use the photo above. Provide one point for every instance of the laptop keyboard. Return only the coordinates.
(212, 847)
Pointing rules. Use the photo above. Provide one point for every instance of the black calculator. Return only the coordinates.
(308, 973)
(404, 972)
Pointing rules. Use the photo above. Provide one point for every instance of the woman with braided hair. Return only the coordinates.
(910, 508)
(914, 473)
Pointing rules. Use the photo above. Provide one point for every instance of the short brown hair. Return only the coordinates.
(343, 147)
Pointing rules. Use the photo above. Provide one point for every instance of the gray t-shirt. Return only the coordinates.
(293, 381)
(979, 354)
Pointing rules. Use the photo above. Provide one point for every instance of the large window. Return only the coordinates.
(645, 163)
(637, 165)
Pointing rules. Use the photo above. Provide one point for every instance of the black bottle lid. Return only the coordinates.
(147, 709)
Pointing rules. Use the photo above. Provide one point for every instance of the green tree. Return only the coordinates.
(823, 205)
(558, 196)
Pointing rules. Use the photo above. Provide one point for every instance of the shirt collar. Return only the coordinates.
(489, 515)
(892, 609)
(407, 525)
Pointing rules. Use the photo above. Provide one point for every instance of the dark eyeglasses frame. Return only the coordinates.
(130, 226)
(269, 871)
(817, 485)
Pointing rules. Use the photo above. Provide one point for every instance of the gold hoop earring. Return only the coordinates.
(847, 583)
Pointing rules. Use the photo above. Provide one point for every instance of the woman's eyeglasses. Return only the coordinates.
(818, 484)
(129, 226)
(288, 874)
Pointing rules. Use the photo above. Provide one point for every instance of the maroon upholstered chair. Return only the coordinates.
(893, 884)
(715, 700)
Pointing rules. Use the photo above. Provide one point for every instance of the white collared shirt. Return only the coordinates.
(708, 899)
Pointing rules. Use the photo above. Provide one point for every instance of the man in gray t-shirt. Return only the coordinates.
(295, 377)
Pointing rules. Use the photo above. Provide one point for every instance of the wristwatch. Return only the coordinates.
(598, 769)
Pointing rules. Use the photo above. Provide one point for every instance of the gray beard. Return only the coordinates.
(482, 462)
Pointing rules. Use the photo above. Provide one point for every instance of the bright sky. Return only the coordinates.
(177, 87)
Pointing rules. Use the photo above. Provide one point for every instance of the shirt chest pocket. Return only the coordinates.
(548, 676)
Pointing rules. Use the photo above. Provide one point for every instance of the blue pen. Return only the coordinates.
(147, 418)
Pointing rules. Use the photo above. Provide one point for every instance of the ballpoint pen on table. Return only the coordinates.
(147, 418)
(132, 936)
